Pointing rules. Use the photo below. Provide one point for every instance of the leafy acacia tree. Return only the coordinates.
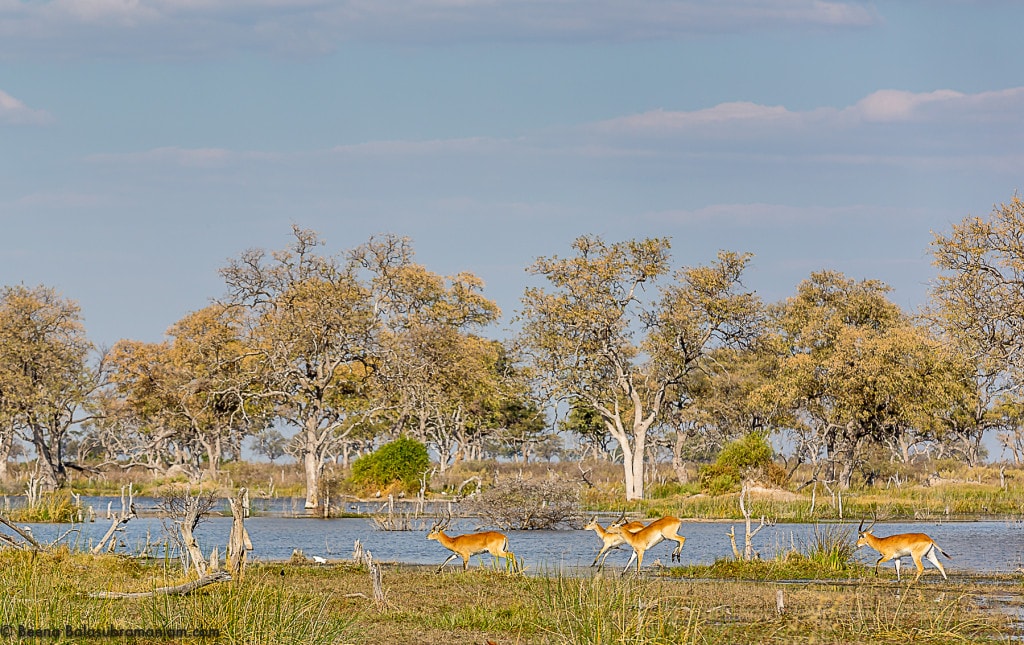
(310, 331)
(721, 405)
(327, 333)
(45, 374)
(594, 341)
(450, 384)
(854, 369)
(191, 389)
(434, 374)
(978, 304)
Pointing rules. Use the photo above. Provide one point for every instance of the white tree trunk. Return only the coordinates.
(311, 465)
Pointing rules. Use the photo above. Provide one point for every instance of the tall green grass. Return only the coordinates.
(56, 507)
(48, 591)
(618, 610)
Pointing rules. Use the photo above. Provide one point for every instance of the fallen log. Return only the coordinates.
(176, 590)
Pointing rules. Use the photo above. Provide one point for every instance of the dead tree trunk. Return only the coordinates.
(127, 513)
(748, 539)
(176, 590)
(238, 543)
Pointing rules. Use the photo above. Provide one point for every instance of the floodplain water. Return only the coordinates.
(279, 527)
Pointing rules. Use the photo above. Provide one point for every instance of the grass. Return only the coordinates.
(57, 507)
(282, 603)
(49, 591)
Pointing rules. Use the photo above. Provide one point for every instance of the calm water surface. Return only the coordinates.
(988, 546)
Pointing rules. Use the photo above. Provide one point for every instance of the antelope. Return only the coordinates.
(466, 546)
(894, 547)
(611, 540)
(662, 529)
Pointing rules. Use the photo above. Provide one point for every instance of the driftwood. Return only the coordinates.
(176, 590)
(23, 533)
(127, 512)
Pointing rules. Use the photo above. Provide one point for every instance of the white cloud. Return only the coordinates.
(896, 105)
(730, 114)
(941, 129)
(883, 106)
(15, 112)
(176, 28)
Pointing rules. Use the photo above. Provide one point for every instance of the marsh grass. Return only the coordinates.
(57, 507)
(48, 591)
(282, 603)
(601, 610)
(262, 609)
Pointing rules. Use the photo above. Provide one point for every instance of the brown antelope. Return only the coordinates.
(665, 528)
(466, 546)
(611, 540)
(894, 547)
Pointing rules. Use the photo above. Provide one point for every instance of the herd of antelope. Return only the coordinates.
(642, 537)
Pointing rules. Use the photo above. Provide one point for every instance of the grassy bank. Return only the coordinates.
(285, 603)
(927, 492)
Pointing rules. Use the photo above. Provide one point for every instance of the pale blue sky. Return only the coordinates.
(145, 142)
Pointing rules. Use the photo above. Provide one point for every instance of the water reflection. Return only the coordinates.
(989, 546)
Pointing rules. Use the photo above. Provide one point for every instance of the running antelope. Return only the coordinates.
(894, 547)
(611, 540)
(466, 546)
(665, 528)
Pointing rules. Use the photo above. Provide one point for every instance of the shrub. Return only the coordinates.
(519, 503)
(403, 461)
(750, 457)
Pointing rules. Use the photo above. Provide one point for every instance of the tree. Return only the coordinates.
(270, 443)
(436, 376)
(194, 387)
(720, 405)
(45, 375)
(327, 333)
(978, 303)
(310, 332)
(593, 341)
(853, 369)
(586, 423)
(450, 385)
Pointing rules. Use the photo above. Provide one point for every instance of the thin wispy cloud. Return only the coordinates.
(883, 106)
(957, 132)
(15, 112)
(172, 28)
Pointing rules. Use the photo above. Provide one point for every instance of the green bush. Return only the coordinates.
(402, 461)
(750, 457)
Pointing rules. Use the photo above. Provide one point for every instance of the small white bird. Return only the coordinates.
(319, 560)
